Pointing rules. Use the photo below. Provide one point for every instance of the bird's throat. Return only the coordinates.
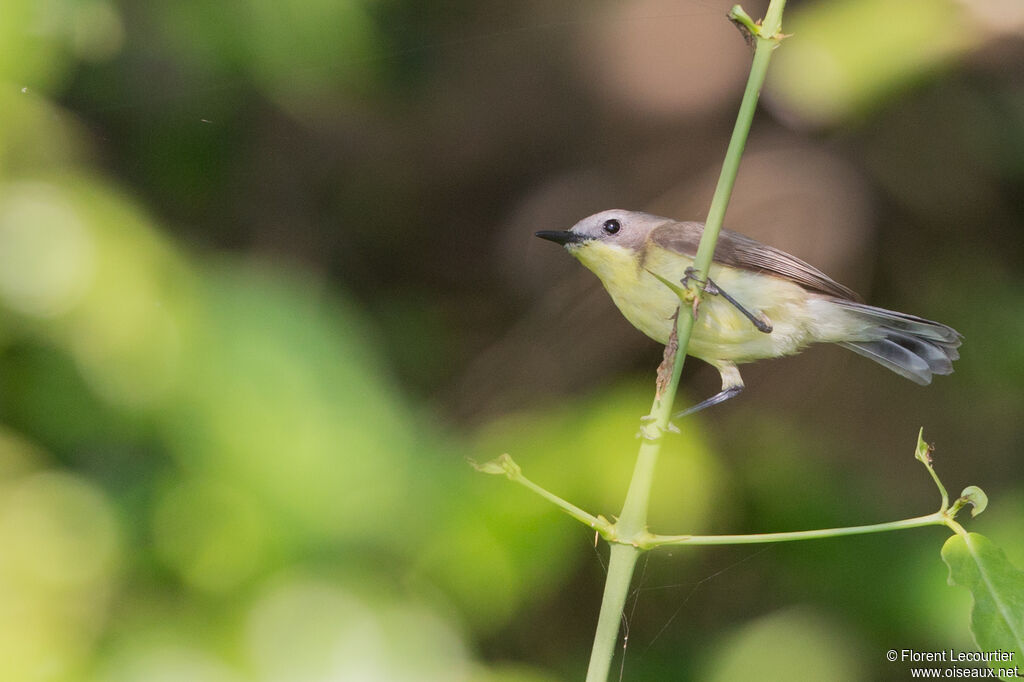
(643, 300)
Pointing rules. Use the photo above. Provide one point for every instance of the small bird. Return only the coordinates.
(759, 302)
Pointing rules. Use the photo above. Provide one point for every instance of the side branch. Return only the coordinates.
(507, 466)
(641, 539)
(939, 518)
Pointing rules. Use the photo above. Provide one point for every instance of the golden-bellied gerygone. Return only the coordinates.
(759, 302)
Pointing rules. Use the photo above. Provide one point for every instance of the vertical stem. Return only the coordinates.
(766, 44)
(633, 519)
(621, 562)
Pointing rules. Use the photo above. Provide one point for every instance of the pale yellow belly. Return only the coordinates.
(722, 332)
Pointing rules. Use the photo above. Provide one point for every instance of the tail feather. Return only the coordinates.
(939, 358)
(894, 357)
(911, 346)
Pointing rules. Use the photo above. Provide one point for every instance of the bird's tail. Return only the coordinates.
(911, 346)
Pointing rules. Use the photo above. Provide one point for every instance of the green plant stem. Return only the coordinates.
(938, 484)
(598, 523)
(622, 557)
(633, 520)
(768, 37)
(938, 518)
(644, 540)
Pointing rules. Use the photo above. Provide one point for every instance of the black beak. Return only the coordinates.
(563, 238)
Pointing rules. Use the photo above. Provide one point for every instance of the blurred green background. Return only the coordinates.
(267, 279)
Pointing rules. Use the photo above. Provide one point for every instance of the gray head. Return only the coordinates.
(615, 227)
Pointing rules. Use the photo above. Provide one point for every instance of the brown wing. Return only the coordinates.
(736, 250)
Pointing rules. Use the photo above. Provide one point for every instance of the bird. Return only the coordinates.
(760, 302)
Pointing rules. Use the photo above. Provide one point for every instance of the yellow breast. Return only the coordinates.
(722, 332)
(643, 300)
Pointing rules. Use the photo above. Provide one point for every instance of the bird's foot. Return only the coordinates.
(690, 274)
(720, 397)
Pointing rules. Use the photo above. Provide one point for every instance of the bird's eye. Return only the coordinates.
(611, 226)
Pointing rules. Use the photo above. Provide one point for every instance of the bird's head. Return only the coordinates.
(606, 238)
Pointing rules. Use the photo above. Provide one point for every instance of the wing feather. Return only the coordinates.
(736, 250)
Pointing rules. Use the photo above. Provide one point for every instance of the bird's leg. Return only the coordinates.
(760, 321)
(732, 384)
